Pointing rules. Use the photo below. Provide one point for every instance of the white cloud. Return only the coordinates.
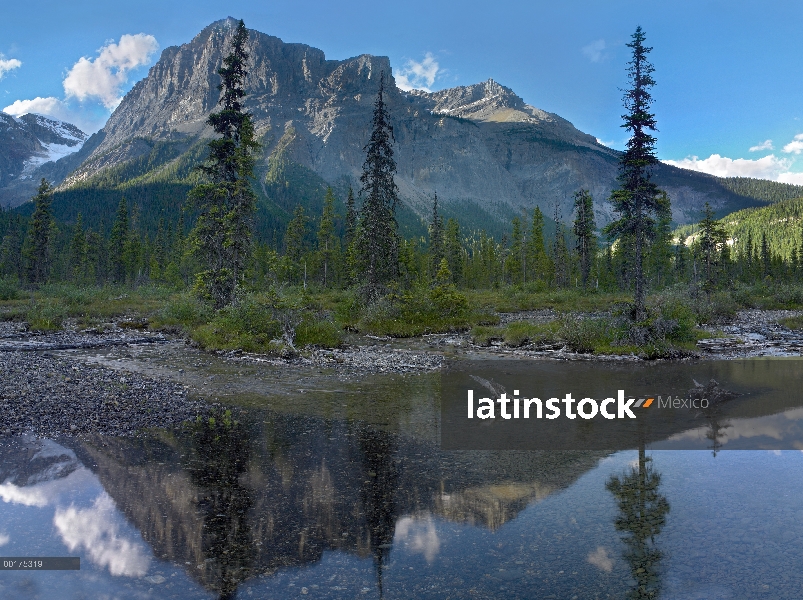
(768, 167)
(594, 51)
(794, 178)
(96, 530)
(103, 76)
(765, 145)
(418, 75)
(4, 539)
(49, 106)
(796, 145)
(7, 65)
(419, 536)
(600, 559)
(58, 109)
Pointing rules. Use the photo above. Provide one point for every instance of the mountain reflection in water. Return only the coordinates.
(234, 500)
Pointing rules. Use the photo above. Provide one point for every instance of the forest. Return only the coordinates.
(221, 268)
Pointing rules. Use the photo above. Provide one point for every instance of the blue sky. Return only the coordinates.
(729, 73)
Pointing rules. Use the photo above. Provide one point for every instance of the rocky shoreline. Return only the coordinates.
(50, 395)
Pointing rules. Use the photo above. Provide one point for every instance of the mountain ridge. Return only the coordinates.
(477, 146)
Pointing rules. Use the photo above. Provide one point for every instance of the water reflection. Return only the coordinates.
(217, 457)
(642, 515)
(242, 500)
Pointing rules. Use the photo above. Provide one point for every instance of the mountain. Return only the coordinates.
(487, 153)
(27, 144)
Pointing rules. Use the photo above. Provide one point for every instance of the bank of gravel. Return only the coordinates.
(356, 360)
(49, 396)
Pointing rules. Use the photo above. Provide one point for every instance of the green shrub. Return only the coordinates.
(585, 335)
(483, 335)
(788, 296)
(9, 289)
(793, 323)
(185, 310)
(318, 331)
(420, 310)
(45, 317)
(517, 333)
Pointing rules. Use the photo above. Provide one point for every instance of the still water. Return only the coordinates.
(344, 492)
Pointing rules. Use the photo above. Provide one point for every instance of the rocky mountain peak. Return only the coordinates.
(27, 143)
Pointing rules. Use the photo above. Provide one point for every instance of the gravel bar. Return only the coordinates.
(51, 396)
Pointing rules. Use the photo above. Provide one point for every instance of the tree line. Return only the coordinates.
(217, 254)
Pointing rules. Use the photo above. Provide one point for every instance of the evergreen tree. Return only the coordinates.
(514, 264)
(712, 241)
(118, 242)
(538, 265)
(38, 245)
(221, 239)
(766, 257)
(636, 200)
(326, 235)
(77, 267)
(681, 257)
(96, 256)
(351, 232)
(453, 250)
(435, 239)
(11, 248)
(295, 241)
(660, 250)
(584, 227)
(377, 239)
(560, 254)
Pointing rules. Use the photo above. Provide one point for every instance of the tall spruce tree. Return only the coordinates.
(539, 267)
(350, 238)
(712, 242)
(453, 250)
(77, 266)
(222, 239)
(38, 245)
(435, 239)
(660, 250)
(377, 240)
(584, 227)
(118, 242)
(327, 242)
(636, 200)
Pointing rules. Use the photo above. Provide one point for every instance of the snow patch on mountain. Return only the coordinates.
(52, 153)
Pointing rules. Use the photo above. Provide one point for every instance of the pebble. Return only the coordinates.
(53, 396)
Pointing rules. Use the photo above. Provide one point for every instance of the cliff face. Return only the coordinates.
(481, 147)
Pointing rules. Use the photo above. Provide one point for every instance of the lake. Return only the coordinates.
(343, 491)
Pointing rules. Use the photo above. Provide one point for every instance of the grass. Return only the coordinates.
(286, 320)
(793, 323)
(421, 310)
(668, 330)
(531, 297)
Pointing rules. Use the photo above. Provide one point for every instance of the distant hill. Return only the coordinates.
(488, 154)
(781, 223)
(761, 189)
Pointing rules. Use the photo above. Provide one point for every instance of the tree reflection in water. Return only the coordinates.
(377, 449)
(642, 515)
(220, 455)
